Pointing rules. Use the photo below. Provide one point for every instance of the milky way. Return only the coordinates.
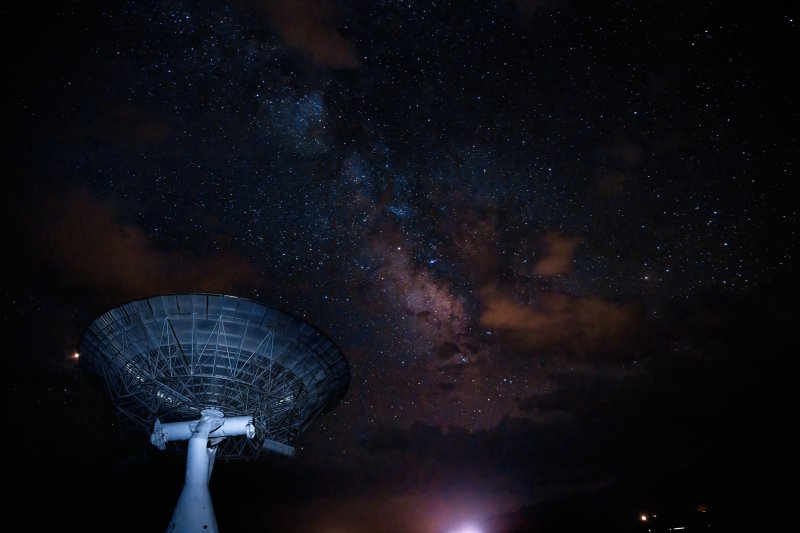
(497, 211)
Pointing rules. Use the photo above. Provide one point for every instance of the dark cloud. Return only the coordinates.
(128, 126)
(473, 240)
(524, 449)
(626, 153)
(446, 350)
(446, 386)
(612, 184)
(311, 26)
(528, 8)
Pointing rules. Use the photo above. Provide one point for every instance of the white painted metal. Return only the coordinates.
(169, 357)
(194, 512)
(171, 431)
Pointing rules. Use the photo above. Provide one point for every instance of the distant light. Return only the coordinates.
(643, 518)
(468, 529)
(76, 355)
(677, 528)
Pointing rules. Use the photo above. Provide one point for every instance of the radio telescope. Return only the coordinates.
(232, 376)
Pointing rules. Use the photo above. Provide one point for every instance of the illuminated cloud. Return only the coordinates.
(559, 255)
(578, 324)
(95, 252)
(310, 26)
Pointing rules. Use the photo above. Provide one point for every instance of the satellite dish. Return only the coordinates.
(230, 375)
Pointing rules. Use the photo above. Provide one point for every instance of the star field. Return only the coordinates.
(512, 217)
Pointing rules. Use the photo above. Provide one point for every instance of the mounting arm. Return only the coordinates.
(171, 431)
(194, 512)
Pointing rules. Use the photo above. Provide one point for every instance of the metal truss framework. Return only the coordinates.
(169, 357)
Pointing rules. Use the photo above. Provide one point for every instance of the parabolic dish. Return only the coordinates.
(169, 357)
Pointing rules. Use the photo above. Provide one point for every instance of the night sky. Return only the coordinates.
(555, 240)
